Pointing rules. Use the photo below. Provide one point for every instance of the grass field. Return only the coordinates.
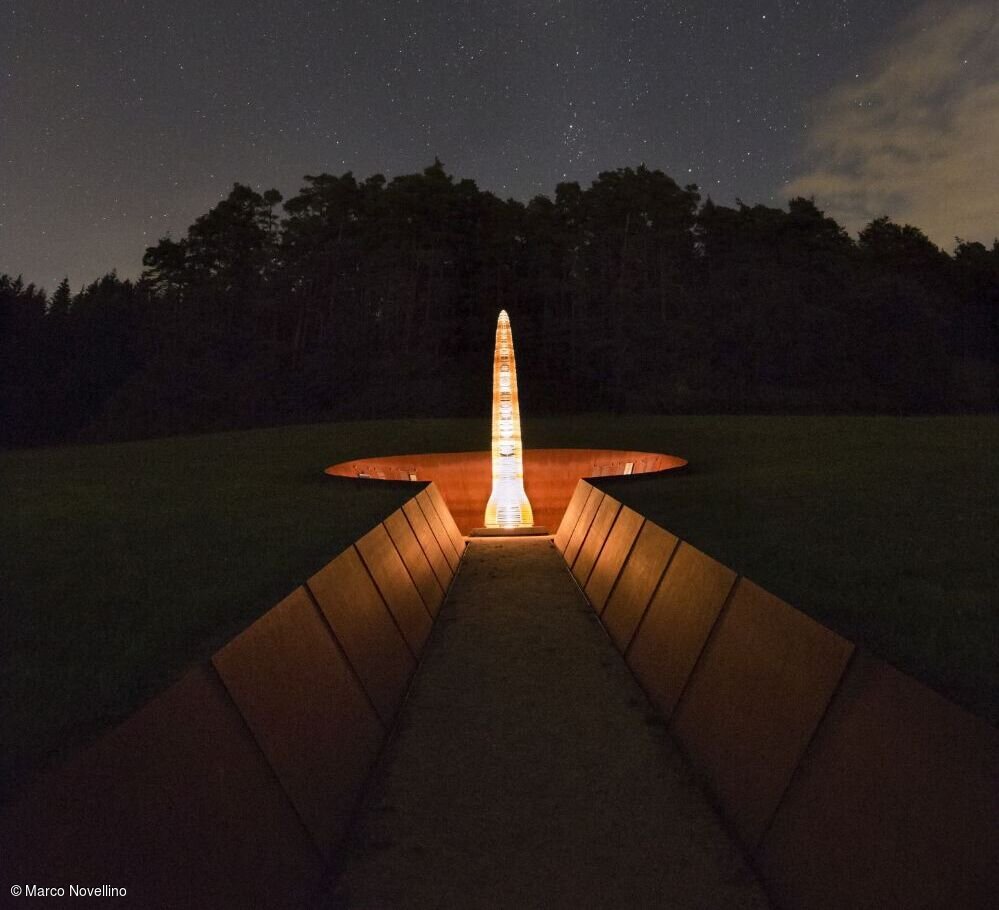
(122, 565)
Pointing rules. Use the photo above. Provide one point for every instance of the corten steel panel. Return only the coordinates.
(365, 630)
(101, 818)
(415, 560)
(299, 696)
(595, 538)
(465, 481)
(396, 587)
(465, 478)
(636, 583)
(762, 684)
(671, 634)
(582, 526)
(440, 532)
(571, 515)
(428, 541)
(551, 475)
(178, 805)
(445, 515)
(893, 805)
(612, 556)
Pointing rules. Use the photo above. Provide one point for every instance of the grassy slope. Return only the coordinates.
(121, 565)
(884, 529)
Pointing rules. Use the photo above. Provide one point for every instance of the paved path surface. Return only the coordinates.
(529, 771)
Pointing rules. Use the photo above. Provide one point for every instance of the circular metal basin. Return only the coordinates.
(465, 478)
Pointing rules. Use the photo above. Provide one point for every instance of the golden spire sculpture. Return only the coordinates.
(508, 506)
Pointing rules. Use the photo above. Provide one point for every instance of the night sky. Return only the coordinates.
(122, 120)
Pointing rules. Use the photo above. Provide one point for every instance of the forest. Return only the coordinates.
(375, 298)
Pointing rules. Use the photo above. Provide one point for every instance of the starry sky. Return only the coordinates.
(123, 120)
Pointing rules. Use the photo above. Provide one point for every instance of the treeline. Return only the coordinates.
(377, 298)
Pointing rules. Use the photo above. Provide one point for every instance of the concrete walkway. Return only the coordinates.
(529, 771)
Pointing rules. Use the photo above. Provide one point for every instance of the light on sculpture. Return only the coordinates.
(508, 506)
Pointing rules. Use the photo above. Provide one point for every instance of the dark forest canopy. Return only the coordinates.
(375, 298)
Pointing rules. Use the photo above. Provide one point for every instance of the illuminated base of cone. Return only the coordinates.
(508, 506)
(533, 531)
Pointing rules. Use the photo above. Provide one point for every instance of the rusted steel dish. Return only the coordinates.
(465, 478)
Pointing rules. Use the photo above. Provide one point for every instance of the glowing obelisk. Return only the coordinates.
(508, 506)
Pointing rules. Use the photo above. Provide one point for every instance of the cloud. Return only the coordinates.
(918, 139)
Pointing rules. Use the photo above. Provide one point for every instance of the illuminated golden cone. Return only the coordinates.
(508, 506)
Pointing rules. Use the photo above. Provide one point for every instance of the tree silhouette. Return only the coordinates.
(361, 298)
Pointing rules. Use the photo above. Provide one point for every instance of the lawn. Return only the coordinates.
(122, 565)
(884, 529)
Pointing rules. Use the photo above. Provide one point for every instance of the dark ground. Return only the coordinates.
(122, 565)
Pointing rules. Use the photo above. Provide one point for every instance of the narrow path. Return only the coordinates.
(528, 769)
